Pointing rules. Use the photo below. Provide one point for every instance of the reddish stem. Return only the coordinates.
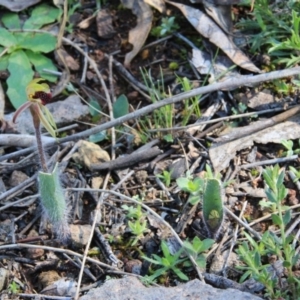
(37, 127)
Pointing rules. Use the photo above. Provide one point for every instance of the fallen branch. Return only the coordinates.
(228, 84)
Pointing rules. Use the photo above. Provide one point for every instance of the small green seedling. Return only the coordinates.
(255, 254)
(138, 229)
(296, 173)
(168, 26)
(196, 249)
(166, 177)
(14, 288)
(167, 263)
(134, 212)
(288, 144)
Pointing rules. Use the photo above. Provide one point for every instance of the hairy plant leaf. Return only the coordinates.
(11, 21)
(53, 202)
(20, 75)
(41, 15)
(120, 107)
(36, 42)
(213, 206)
(40, 63)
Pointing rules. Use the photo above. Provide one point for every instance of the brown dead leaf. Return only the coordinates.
(207, 28)
(158, 4)
(70, 61)
(139, 34)
(18, 5)
(105, 27)
(221, 154)
(90, 153)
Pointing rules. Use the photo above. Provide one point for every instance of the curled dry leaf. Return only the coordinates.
(105, 27)
(222, 153)
(18, 5)
(158, 4)
(139, 34)
(207, 28)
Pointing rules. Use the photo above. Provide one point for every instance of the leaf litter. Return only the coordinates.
(135, 178)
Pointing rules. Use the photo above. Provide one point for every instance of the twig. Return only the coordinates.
(247, 226)
(269, 162)
(229, 83)
(257, 126)
(128, 160)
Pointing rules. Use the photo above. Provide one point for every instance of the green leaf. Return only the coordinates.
(94, 107)
(41, 15)
(181, 275)
(276, 220)
(36, 42)
(98, 137)
(120, 107)
(287, 217)
(182, 183)
(194, 199)
(7, 39)
(53, 201)
(11, 20)
(40, 63)
(213, 206)
(20, 75)
(3, 62)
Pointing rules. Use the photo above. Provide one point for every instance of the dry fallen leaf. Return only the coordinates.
(105, 27)
(90, 153)
(158, 4)
(207, 28)
(221, 154)
(18, 5)
(139, 34)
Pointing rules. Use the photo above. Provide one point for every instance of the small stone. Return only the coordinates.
(80, 234)
(34, 253)
(3, 278)
(48, 277)
(17, 177)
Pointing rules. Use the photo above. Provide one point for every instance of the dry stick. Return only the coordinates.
(154, 214)
(230, 83)
(269, 162)
(257, 126)
(247, 226)
(53, 249)
(234, 238)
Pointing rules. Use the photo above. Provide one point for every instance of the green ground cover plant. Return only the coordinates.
(255, 254)
(23, 53)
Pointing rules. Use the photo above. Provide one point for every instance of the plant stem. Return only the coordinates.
(36, 124)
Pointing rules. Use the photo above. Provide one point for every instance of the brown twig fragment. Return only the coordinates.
(127, 161)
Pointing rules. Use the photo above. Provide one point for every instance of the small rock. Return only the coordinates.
(64, 112)
(133, 266)
(3, 278)
(90, 153)
(48, 277)
(17, 177)
(61, 287)
(131, 288)
(80, 234)
(34, 253)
